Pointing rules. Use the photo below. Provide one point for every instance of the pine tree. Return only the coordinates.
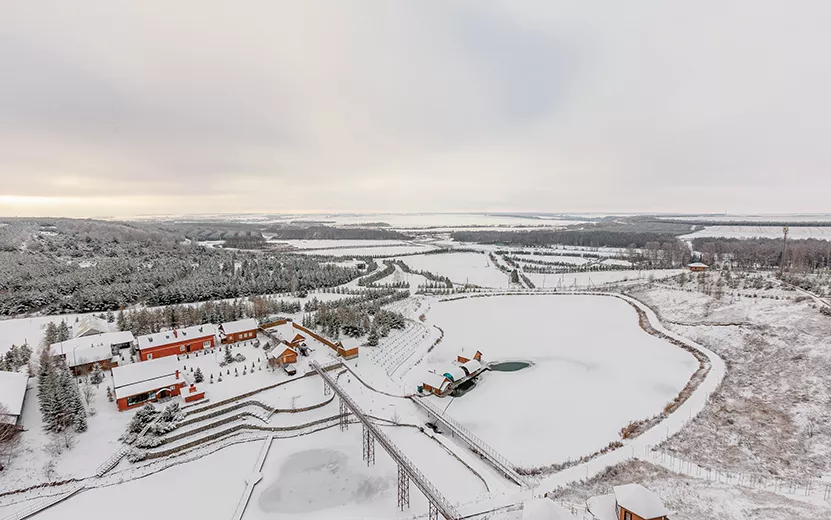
(97, 375)
(198, 376)
(109, 394)
(121, 321)
(63, 331)
(50, 335)
(228, 357)
(372, 339)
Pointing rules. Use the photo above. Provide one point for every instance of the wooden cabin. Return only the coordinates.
(465, 356)
(240, 330)
(139, 383)
(175, 342)
(697, 267)
(628, 502)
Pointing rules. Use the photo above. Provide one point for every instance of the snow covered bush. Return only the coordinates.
(148, 441)
(136, 455)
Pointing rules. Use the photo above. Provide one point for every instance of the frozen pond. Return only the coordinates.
(594, 370)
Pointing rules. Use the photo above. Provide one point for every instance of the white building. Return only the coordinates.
(12, 394)
(82, 353)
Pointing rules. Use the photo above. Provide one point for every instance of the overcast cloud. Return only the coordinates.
(123, 108)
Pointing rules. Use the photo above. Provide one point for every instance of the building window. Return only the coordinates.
(136, 399)
(207, 344)
(627, 515)
(149, 356)
(181, 348)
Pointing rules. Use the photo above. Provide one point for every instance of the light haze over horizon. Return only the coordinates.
(124, 109)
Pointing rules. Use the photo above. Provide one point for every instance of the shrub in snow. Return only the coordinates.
(97, 375)
(142, 418)
(825, 310)
(109, 394)
(239, 358)
(220, 378)
(136, 455)
(148, 441)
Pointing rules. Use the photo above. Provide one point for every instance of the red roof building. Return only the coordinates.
(175, 342)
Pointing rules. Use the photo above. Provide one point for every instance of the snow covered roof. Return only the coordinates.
(147, 386)
(12, 391)
(602, 507)
(174, 336)
(277, 352)
(232, 327)
(640, 501)
(544, 509)
(91, 324)
(471, 366)
(136, 378)
(433, 380)
(455, 372)
(698, 264)
(89, 349)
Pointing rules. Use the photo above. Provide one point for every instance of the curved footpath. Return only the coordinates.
(637, 447)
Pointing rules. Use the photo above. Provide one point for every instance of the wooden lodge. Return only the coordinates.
(697, 267)
(465, 356)
(240, 330)
(175, 342)
(148, 381)
(81, 354)
(282, 355)
(628, 502)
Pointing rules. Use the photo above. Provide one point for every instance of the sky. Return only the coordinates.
(115, 108)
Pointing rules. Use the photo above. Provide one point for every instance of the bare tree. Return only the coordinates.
(9, 439)
(88, 393)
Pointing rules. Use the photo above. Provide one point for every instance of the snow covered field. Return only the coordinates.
(327, 244)
(591, 279)
(796, 232)
(371, 251)
(208, 488)
(576, 260)
(594, 370)
(424, 220)
(322, 476)
(475, 268)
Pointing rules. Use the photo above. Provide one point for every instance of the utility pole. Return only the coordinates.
(784, 250)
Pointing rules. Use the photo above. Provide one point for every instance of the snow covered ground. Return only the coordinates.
(796, 232)
(692, 499)
(329, 244)
(322, 476)
(423, 220)
(592, 279)
(371, 251)
(576, 260)
(208, 488)
(461, 268)
(586, 349)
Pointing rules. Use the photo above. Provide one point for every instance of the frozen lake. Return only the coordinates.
(594, 370)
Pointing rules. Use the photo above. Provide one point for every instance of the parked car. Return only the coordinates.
(289, 369)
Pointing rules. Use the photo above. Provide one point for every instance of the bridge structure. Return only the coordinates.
(407, 471)
(474, 443)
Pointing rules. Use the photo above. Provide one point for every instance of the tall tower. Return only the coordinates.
(785, 230)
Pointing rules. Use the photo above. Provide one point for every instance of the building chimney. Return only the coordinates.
(177, 373)
(175, 333)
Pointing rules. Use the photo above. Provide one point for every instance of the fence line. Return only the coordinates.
(805, 486)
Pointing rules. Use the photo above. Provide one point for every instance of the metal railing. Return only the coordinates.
(501, 463)
(433, 495)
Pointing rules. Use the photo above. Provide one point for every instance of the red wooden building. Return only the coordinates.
(139, 383)
(178, 341)
(240, 330)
